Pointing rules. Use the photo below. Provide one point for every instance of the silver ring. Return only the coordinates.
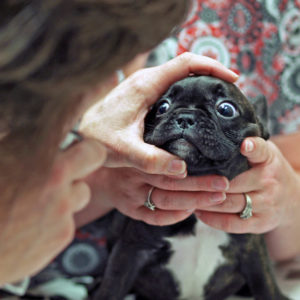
(149, 203)
(247, 211)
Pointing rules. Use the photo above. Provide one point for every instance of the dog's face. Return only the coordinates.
(204, 120)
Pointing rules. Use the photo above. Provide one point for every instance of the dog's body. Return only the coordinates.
(204, 121)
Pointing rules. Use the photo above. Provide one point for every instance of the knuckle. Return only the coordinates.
(138, 82)
(185, 57)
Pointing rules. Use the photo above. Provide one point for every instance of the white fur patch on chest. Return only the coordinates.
(195, 259)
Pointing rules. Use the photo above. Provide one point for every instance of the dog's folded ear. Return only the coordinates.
(261, 108)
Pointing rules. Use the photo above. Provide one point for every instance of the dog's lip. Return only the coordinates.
(181, 140)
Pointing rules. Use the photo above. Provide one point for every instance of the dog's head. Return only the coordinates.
(204, 120)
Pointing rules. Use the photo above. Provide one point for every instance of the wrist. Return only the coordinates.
(282, 242)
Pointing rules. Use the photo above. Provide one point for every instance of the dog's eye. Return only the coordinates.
(227, 110)
(163, 107)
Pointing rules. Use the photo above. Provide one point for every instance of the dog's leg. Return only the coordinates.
(226, 281)
(156, 282)
(257, 267)
(122, 269)
(136, 246)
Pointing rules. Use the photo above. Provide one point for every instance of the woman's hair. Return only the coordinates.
(53, 50)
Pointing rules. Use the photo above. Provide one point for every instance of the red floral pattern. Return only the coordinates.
(260, 40)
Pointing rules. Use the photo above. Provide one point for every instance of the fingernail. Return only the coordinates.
(177, 167)
(178, 176)
(249, 146)
(220, 184)
(217, 197)
(235, 75)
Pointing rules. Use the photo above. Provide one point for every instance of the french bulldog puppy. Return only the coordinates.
(203, 120)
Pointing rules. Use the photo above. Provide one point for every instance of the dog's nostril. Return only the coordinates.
(185, 122)
(190, 122)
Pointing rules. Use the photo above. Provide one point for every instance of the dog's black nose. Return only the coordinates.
(185, 120)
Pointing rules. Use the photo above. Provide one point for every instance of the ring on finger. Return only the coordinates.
(247, 211)
(149, 203)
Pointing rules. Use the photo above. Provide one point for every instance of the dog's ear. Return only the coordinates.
(261, 108)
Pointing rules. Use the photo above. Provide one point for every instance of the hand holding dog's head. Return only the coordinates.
(204, 120)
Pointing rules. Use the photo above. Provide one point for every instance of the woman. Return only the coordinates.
(56, 59)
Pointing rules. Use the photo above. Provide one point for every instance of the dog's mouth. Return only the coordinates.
(181, 145)
(197, 162)
(187, 150)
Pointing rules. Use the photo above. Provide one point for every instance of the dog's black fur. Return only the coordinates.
(204, 121)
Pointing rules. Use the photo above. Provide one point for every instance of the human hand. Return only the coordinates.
(39, 223)
(271, 183)
(126, 189)
(118, 120)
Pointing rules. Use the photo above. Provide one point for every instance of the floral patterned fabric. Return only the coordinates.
(258, 39)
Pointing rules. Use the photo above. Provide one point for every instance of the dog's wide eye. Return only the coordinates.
(227, 110)
(163, 107)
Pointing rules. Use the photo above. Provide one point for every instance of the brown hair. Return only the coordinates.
(53, 50)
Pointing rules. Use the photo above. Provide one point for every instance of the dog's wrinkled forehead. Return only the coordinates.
(206, 91)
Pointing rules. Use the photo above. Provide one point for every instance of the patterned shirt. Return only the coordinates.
(258, 39)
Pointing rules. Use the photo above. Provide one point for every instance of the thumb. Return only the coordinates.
(256, 149)
(148, 159)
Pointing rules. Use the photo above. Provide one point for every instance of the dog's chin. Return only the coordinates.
(197, 163)
(189, 153)
(182, 148)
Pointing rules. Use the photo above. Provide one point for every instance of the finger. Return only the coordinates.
(191, 63)
(156, 80)
(80, 195)
(259, 153)
(81, 159)
(152, 160)
(257, 150)
(186, 64)
(160, 217)
(209, 183)
(231, 223)
(248, 181)
(235, 203)
(167, 200)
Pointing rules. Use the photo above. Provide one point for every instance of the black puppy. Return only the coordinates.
(204, 121)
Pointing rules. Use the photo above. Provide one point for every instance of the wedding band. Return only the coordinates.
(247, 211)
(149, 203)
